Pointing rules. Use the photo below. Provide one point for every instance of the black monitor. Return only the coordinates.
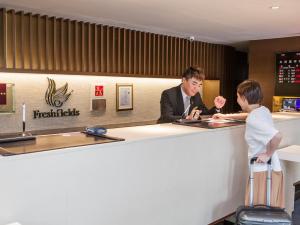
(287, 74)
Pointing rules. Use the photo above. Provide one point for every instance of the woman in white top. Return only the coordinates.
(262, 139)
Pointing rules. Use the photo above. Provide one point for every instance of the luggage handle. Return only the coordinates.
(252, 160)
(269, 178)
(261, 206)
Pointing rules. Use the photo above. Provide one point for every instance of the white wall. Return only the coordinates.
(31, 88)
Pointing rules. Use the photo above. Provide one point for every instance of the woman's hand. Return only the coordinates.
(219, 116)
(263, 158)
(271, 148)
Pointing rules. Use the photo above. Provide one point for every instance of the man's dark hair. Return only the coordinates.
(251, 90)
(194, 71)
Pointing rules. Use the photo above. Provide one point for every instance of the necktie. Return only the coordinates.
(186, 105)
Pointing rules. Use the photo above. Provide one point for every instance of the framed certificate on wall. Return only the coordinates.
(7, 101)
(124, 97)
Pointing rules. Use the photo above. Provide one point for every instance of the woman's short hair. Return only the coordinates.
(194, 72)
(251, 90)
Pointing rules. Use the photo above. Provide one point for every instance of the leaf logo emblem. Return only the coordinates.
(56, 97)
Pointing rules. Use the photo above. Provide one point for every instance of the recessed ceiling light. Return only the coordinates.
(274, 7)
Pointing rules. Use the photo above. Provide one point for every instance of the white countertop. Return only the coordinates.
(277, 116)
(169, 129)
(152, 131)
(290, 153)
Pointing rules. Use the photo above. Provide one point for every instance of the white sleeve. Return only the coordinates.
(262, 131)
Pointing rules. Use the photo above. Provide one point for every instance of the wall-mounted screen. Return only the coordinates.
(287, 74)
(291, 104)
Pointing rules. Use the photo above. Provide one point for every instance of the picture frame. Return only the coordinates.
(124, 97)
(7, 98)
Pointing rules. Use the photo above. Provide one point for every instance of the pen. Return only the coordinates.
(24, 117)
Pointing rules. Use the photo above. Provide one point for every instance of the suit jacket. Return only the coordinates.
(172, 107)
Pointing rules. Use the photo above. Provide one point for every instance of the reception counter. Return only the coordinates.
(290, 160)
(161, 174)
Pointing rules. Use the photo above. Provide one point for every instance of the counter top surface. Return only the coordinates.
(285, 116)
(136, 133)
(168, 129)
(152, 131)
(51, 142)
(290, 153)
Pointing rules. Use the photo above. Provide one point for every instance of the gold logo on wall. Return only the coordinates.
(56, 97)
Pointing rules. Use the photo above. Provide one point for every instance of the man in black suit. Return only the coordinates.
(180, 102)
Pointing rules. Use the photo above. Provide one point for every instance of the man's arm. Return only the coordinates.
(219, 102)
(212, 111)
(204, 110)
(167, 109)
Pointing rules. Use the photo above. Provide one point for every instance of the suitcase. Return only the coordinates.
(261, 214)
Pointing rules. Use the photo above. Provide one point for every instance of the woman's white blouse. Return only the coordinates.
(259, 131)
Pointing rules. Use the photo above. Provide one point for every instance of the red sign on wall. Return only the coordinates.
(2, 94)
(99, 90)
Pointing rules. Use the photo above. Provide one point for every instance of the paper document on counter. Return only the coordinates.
(211, 120)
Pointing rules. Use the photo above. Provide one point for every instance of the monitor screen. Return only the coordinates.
(298, 104)
(287, 74)
(291, 104)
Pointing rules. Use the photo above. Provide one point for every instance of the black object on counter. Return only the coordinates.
(209, 124)
(187, 121)
(14, 138)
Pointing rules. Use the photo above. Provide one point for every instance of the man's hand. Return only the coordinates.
(263, 158)
(194, 115)
(219, 102)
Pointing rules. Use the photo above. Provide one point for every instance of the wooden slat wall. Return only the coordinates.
(2, 38)
(36, 43)
(42, 44)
